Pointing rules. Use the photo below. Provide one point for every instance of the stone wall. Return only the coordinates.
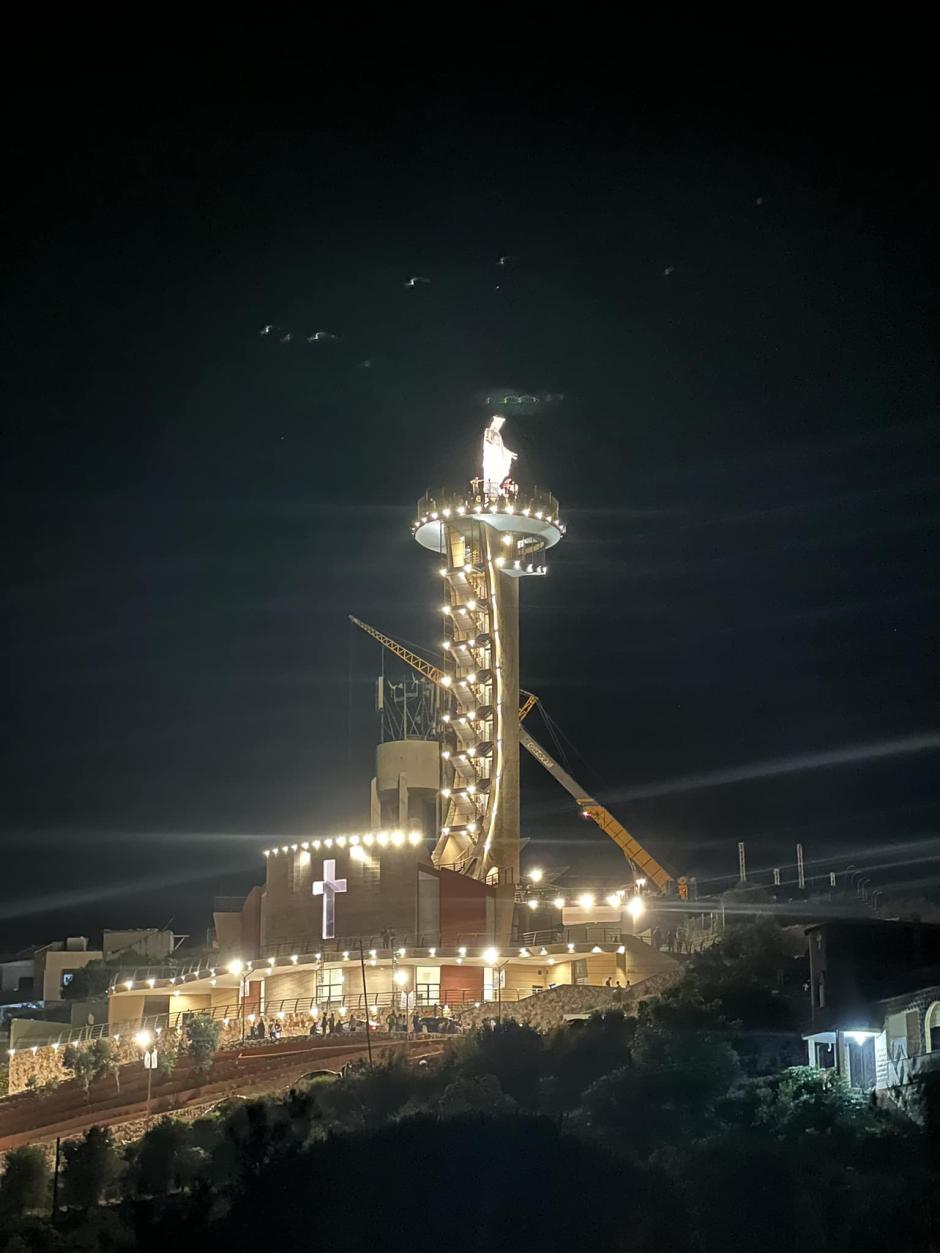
(43, 1066)
(546, 1010)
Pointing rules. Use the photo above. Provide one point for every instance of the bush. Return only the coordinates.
(514, 1054)
(89, 1062)
(24, 1185)
(90, 1167)
(167, 1055)
(474, 1096)
(81, 1062)
(202, 1040)
(162, 1158)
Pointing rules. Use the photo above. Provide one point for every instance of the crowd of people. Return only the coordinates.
(332, 1021)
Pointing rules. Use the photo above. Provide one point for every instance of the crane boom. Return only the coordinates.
(434, 673)
(413, 660)
(631, 849)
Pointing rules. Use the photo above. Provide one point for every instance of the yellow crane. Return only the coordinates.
(644, 862)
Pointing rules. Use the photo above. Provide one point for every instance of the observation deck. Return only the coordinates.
(529, 522)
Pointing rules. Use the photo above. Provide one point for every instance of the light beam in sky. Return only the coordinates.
(847, 756)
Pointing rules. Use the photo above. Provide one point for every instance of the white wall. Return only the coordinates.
(56, 963)
(12, 972)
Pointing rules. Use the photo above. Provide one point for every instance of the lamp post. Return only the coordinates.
(365, 997)
(400, 979)
(237, 967)
(144, 1041)
(500, 972)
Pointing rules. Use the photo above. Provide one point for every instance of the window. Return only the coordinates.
(579, 971)
(912, 1021)
(330, 986)
(428, 985)
(825, 1056)
(67, 977)
(932, 1028)
(493, 980)
(821, 992)
(368, 871)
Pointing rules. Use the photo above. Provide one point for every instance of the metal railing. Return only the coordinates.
(140, 974)
(535, 499)
(385, 946)
(275, 1008)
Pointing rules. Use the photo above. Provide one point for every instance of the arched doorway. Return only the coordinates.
(932, 1028)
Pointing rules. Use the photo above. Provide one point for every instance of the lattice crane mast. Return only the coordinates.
(634, 852)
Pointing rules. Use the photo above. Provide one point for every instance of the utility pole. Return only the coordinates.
(55, 1177)
(365, 997)
(742, 865)
(800, 871)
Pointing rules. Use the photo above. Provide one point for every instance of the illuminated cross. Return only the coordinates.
(327, 887)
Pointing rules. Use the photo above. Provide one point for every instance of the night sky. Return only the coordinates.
(733, 284)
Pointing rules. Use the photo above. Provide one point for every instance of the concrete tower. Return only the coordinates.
(490, 535)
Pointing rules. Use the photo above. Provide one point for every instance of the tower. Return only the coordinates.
(407, 758)
(489, 536)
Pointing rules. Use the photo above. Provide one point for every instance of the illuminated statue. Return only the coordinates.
(497, 458)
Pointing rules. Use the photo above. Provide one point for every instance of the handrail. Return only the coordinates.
(310, 1006)
(384, 946)
(140, 974)
(536, 498)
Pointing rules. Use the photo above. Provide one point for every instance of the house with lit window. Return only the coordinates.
(875, 992)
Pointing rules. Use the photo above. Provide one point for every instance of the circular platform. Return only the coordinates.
(530, 513)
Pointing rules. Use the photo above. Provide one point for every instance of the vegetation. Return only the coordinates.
(202, 1039)
(642, 1135)
(24, 1184)
(96, 1060)
(91, 1166)
(90, 981)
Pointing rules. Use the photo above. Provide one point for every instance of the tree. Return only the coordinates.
(107, 1060)
(679, 1068)
(202, 1040)
(373, 1096)
(168, 1054)
(162, 1159)
(578, 1055)
(513, 1053)
(89, 1062)
(474, 1096)
(90, 1166)
(89, 982)
(24, 1185)
(83, 1064)
(753, 975)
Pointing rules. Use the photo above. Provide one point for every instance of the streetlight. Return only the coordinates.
(237, 968)
(400, 979)
(144, 1041)
(636, 907)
